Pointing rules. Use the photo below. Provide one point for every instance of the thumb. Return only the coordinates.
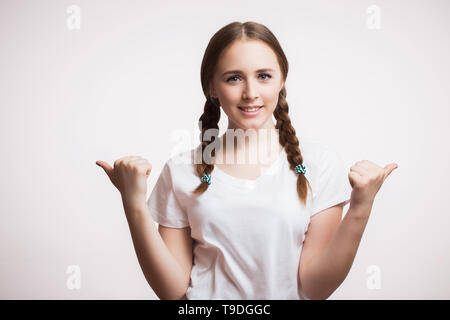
(108, 169)
(389, 168)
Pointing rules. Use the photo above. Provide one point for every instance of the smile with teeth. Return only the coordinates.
(249, 109)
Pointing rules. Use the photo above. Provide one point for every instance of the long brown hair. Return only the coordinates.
(211, 113)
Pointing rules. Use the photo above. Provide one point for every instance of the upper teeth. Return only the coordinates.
(250, 109)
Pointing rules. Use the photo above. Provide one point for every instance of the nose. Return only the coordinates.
(250, 91)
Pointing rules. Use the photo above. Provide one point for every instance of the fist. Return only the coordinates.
(129, 176)
(366, 179)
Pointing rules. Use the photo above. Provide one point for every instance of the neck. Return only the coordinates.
(258, 146)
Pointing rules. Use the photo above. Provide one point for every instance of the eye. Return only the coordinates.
(261, 74)
(228, 80)
(266, 74)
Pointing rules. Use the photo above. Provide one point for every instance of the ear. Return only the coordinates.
(212, 92)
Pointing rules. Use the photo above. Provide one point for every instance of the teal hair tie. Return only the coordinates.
(300, 168)
(206, 178)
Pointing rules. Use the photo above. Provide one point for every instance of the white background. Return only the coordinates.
(130, 77)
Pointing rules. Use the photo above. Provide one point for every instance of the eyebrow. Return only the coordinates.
(240, 72)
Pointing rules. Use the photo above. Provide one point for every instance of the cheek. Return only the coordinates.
(231, 93)
(271, 90)
(270, 95)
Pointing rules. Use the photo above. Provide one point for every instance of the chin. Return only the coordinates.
(254, 126)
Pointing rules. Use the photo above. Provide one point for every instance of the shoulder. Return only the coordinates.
(180, 167)
(322, 162)
(315, 153)
(183, 160)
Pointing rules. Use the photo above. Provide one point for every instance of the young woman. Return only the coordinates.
(270, 229)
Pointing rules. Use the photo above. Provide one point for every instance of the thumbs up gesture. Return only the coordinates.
(129, 176)
(366, 179)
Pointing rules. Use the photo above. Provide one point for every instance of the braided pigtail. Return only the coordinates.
(208, 120)
(221, 40)
(289, 141)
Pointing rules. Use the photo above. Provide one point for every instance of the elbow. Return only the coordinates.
(176, 294)
(318, 285)
(313, 289)
(317, 296)
(179, 295)
(171, 296)
(173, 288)
(314, 294)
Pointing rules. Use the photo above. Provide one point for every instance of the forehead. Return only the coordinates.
(248, 56)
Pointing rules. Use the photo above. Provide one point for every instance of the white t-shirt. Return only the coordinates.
(248, 234)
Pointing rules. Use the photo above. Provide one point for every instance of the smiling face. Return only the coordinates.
(255, 80)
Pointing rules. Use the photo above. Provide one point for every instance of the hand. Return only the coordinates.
(366, 179)
(129, 176)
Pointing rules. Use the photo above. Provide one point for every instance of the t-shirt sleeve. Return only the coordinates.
(332, 185)
(164, 204)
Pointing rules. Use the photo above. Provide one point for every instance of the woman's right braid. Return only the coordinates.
(208, 120)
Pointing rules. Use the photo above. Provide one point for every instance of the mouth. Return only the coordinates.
(251, 110)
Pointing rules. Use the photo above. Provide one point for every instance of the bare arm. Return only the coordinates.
(163, 272)
(327, 261)
(322, 274)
